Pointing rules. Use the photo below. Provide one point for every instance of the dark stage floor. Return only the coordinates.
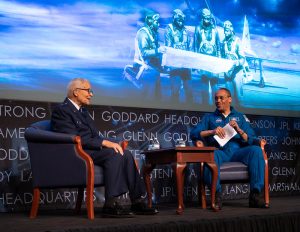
(284, 215)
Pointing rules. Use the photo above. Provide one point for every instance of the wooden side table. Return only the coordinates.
(179, 157)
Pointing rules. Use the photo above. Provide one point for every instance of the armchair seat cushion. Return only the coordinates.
(233, 171)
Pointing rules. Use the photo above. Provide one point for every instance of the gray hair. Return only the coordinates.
(75, 83)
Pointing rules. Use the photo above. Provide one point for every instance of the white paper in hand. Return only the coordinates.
(229, 133)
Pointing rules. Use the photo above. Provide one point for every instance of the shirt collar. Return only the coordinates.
(232, 111)
(77, 106)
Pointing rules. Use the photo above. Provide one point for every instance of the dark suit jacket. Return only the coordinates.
(67, 119)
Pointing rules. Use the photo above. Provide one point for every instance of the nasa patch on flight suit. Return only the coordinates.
(219, 120)
(237, 119)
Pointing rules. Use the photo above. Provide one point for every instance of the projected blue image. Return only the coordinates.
(157, 54)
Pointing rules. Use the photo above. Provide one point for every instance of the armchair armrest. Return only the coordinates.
(41, 136)
(262, 143)
(199, 143)
(124, 144)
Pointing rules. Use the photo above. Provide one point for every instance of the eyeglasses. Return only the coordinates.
(90, 91)
(222, 98)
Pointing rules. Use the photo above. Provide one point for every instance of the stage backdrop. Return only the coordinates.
(138, 125)
(45, 43)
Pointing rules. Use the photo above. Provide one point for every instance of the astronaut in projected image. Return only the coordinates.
(231, 49)
(176, 36)
(207, 41)
(145, 72)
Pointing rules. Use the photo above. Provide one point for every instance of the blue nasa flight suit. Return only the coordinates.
(235, 150)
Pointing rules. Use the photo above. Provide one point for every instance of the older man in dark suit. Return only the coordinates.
(120, 173)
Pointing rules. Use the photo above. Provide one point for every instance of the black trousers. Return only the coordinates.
(120, 173)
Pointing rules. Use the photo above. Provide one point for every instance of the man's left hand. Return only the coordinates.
(235, 125)
(115, 146)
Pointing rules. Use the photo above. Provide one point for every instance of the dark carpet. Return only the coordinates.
(283, 215)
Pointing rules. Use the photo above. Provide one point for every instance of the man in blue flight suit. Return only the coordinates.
(239, 148)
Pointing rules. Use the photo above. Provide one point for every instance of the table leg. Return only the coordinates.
(214, 169)
(146, 174)
(179, 170)
(201, 188)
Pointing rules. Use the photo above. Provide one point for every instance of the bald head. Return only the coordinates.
(226, 90)
(74, 84)
(79, 91)
(223, 100)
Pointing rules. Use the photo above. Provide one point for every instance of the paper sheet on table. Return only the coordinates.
(229, 133)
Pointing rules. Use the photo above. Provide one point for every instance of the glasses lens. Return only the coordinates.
(90, 91)
(221, 98)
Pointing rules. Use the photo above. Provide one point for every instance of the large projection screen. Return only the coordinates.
(46, 43)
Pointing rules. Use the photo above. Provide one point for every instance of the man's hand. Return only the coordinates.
(219, 131)
(162, 49)
(236, 127)
(115, 146)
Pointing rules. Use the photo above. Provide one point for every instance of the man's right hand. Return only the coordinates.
(219, 131)
(162, 49)
(115, 146)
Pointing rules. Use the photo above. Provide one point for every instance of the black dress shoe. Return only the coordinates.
(114, 208)
(141, 208)
(256, 200)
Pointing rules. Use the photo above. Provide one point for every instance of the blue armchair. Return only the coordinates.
(58, 161)
(237, 172)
